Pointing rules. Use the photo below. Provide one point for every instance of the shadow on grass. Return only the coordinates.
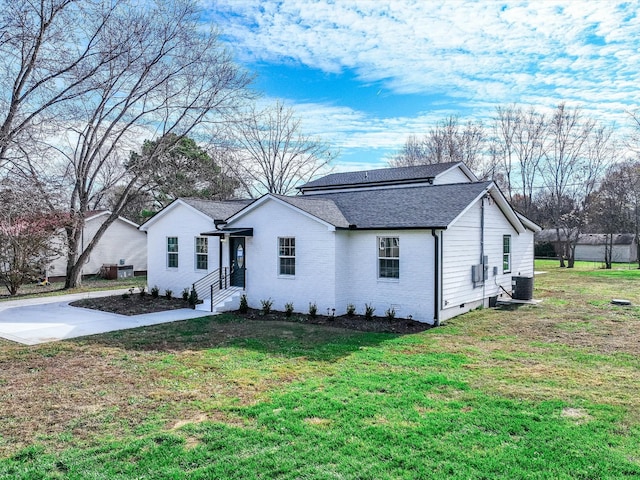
(290, 339)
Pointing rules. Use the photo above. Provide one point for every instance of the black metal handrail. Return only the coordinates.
(223, 284)
(214, 283)
(201, 286)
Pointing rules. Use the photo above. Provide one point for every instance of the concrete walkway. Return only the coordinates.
(49, 319)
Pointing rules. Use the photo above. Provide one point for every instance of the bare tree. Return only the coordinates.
(633, 141)
(29, 235)
(571, 169)
(48, 56)
(518, 147)
(413, 152)
(271, 154)
(154, 72)
(616, 204)
(448, 141)
(612, 207)
(502, 147)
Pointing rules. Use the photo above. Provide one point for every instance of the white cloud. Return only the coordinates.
(481, 53)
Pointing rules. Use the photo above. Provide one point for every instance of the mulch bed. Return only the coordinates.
(133, 305)
(136, 305)
(354, 322)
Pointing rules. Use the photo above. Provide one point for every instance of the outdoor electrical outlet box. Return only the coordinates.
(495, 271)
(476, 273)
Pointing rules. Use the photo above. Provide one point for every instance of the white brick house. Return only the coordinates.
(403, 238)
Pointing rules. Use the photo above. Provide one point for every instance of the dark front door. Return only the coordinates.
(238, 266)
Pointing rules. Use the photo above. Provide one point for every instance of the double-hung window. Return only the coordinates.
(506, 254)
(287, 255)
(388, 257)
(172, 252)
(202, 253)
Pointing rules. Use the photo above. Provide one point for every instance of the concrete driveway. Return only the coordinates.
(49, 319)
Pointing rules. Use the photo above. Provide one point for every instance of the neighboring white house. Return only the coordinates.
(430, 242)
(591, 246)
(122, 244)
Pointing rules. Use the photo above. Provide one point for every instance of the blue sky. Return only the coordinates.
(365, 74)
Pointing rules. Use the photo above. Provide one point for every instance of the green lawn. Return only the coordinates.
(55, 288)
(549, 391)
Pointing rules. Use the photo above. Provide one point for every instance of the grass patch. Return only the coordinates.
(33, 290)
(551, 391)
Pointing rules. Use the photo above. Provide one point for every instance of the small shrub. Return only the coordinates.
(390, 313)
(313, 310)
(185, 294)
(143, 291)
(193, 298)
(266, 306)
(155, 291)
(368, 311)
(244, 304)
(288, 309)
(168, 294)
(351, 310)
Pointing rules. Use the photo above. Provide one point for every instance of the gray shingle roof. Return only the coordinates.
(379, 176)
(600, 238)
(217, 209)
(392, 208)
(322, 208)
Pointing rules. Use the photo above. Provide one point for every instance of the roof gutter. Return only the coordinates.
(436, 277)
(428, 227)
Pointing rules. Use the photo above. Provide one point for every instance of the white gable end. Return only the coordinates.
(456, 174)
(185, 223)
(314, 279)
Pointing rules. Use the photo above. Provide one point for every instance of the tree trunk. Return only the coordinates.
(608, 250)
(74, 277)
(572, 256)
(74, 266)
(561, 248)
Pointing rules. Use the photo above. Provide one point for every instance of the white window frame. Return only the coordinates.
(199, 254)
(383, 245)
(286, 251)
(506, 254)
(171, 252)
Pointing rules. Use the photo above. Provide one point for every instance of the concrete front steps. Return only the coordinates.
(223, 301)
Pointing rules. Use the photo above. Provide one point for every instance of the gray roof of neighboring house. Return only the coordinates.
(217, 209)
(550, 235)
(380, 176)
(406, 207)
(599, 239)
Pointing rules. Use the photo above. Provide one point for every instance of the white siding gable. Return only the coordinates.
(453, 175)
(462, 250)
(121, 241)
